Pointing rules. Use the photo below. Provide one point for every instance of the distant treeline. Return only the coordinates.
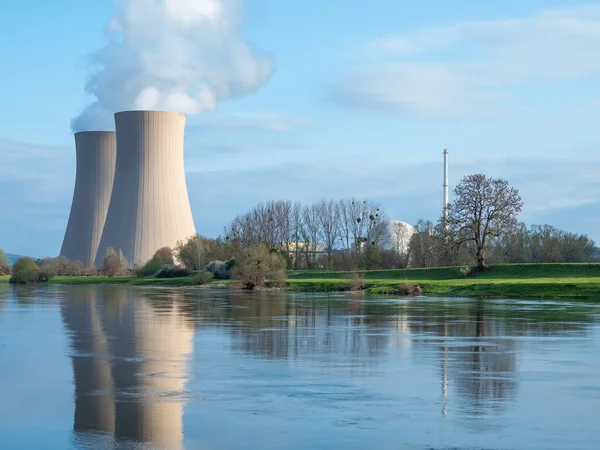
(356, 233)
(521, 244)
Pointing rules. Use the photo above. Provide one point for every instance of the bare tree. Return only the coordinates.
(114, 264)
(329, 227)
(484, 208)
(311, 234)
(345, 217)
(423, 245)
(400, 236)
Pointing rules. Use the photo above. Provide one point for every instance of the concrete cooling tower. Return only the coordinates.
(149, 206)
(96, 155)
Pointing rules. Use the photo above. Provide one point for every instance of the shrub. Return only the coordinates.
(26, 271)
(356, 282)
(411, 290)
(62, 266)
(173, 272)
(151, 268)
(90, 269)
(221, 270)
(257, 265)
(114, 265)
(193, 253)
(45, 275)
(465, 271)
(203, 278)
(4, 263)
(165, 255)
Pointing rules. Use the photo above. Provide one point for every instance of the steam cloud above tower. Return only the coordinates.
(176, 55)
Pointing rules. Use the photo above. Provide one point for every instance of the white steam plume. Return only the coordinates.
(174, 55)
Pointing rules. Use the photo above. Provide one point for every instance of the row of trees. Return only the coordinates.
(344, 234)
(479, 227)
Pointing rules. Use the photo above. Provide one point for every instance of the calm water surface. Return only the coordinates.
(118, 367)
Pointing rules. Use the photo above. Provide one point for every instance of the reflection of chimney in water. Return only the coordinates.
(136, 394)
(445, 370)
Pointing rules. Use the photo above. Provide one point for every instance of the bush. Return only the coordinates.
(114, 265)
(356, 282)
(411, 290)
(203, 278)
(257, 265)
(193, 253)
(4, 263)
(26, 271)
(45, 275)
(221, 270)
(151, 268)
(62, 266)
(165, 255)
(173, 272)
(465, 271)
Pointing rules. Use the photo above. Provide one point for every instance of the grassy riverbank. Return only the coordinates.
(510, 280)
(573, 281)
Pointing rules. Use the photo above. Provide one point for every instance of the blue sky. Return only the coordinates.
(363, 98)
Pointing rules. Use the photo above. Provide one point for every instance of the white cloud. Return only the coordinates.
(249, 122)
(467, 69)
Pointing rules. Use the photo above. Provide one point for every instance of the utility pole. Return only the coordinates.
(446, 188)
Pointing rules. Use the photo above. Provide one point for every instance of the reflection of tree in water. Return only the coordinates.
(129, 364)
(478, 346)
(270, 325)
(4, 290)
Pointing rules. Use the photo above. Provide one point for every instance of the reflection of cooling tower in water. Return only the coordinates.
(94, 409)
(149, 348)
(96, 156)
(151, 351)
(149, 206)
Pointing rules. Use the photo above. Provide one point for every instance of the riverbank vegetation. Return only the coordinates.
(535, 281)
(351, 245)
(4, 264)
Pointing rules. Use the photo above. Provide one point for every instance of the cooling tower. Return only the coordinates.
(96, 156)
(149, 206)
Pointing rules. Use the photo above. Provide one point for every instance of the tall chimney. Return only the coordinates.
(446, 187)
(149, 206)
(96, 155)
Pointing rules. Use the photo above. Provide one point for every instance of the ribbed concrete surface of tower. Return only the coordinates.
(96, 156)
(149, 206)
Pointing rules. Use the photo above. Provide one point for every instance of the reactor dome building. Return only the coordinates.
(399, 235)
(149, 206)
(96, 153)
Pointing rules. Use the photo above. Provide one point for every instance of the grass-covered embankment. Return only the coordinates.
(580, 281)
(548, 281)
(147, 281)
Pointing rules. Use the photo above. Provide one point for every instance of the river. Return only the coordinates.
(121, 367)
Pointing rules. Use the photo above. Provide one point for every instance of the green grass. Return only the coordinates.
(537, 281)
(4, 278)
(573, 281)
(145, 281)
